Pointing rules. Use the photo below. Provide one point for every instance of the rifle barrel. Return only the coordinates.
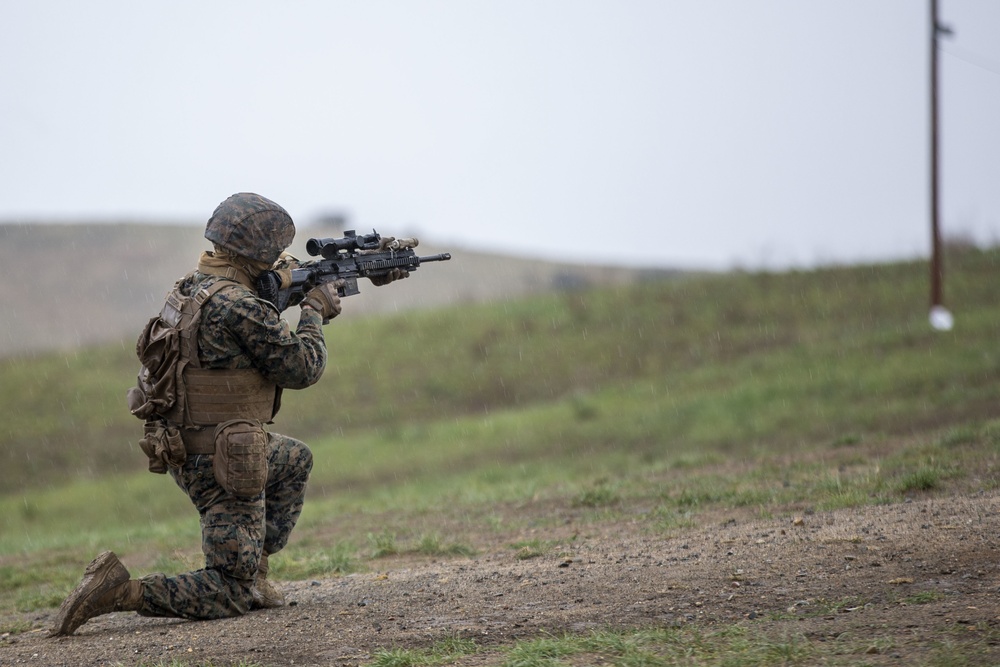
(443, 257)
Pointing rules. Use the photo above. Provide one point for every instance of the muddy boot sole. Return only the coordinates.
(102, 575)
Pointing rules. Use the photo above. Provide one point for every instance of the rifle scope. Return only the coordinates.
(330, 248)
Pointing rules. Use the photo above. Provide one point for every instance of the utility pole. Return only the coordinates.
(940, 317)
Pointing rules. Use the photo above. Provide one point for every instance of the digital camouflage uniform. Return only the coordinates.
(238, 330)
(244, 337)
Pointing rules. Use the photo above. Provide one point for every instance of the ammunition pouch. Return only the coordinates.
(240, 464)
(163, 445)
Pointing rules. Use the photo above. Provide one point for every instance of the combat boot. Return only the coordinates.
(105, 588)
(265, 595)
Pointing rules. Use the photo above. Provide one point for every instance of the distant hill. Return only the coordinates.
(67, 285)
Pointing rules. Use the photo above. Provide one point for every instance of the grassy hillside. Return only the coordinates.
(727, 361)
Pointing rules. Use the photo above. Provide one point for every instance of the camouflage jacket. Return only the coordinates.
(238, 330)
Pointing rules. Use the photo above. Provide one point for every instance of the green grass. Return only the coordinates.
(440, 653)
(924, 597)
(724, 360)
(725, 646)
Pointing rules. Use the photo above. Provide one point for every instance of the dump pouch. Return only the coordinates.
(158, 349)
(163, 446)
(165, 347)
(240, 463)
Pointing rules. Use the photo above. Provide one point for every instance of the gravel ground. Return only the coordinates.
(894, 583)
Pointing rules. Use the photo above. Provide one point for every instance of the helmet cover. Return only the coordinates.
(251, 226)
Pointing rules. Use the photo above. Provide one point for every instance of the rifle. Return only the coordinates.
(345, 259)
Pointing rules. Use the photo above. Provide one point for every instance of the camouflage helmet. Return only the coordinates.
(251, 226)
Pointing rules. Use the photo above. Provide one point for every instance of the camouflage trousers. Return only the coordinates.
(234, 532)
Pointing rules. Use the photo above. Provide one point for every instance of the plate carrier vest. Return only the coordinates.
(173, 387)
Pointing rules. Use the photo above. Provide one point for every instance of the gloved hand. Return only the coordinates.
(394, 274)
(324, 298)
(284, 277)
(287, 260)
(392, 243)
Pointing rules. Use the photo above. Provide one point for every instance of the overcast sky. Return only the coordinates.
(692, 133)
